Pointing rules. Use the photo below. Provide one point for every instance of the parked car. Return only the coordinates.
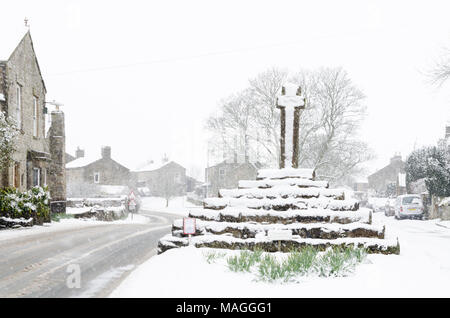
(389, 208)
(377, 204)
(409, 206)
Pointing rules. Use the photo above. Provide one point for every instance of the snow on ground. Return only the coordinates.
(444, 224)
(68, 224)
(421, 270)
(178, 205)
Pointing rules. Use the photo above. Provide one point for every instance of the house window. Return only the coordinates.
(177, 178)
(19, 106)
(222, 174)
(44, 176)
(16, 175)
(35, 117)
(36, 177)
(97, 177)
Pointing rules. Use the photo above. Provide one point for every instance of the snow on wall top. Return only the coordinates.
(285, 173)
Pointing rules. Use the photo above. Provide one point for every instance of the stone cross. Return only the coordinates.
(290, 102)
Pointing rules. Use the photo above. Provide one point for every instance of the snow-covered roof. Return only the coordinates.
(10, 39)
(151, 166)
(361, 180)
(81, 162)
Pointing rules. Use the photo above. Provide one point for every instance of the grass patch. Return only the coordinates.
(333, 262)
(244, 261)
(56, 217)
(212, 256)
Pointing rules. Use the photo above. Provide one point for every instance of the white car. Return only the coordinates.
(409, 206)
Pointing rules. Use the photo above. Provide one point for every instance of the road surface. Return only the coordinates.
(41, 264)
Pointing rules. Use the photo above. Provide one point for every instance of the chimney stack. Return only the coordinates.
(57, 168)
(106, 152)
(79, 153)
(397, 158)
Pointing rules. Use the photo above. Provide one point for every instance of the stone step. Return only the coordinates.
(373, 245)
(6, 222)
(363, 215)
(303, 230)
(282, 192)
(281, 204)
(269, 183)
(286, 173)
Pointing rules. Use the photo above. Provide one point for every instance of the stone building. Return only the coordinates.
(166, 178)
(387, 179)
(96, 175)
(39, 159)
(226, 175)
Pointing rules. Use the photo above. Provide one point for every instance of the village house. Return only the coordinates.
(40, 146)
(389, 178)
(96, 175)
(226, 175)
(163, 179)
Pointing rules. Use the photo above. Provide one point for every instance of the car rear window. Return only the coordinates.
(409, 200)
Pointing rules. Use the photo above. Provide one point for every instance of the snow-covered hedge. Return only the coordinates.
(33, 204)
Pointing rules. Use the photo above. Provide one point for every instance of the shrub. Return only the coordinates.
(33, 204)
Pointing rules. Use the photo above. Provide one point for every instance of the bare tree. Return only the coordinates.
(440, 73)
(335, 114)
(328, 125)
(171, 186)
(235, 120)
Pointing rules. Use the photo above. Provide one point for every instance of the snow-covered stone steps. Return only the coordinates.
(6, 222)
(286, 173)
(282, 192)
(269, 183)
(302, 230)
(372, 245)
(282, 204)
(284, 217)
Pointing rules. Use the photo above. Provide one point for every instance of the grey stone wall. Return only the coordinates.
(163, 178)
(389, 174)
(233, 172)
(33, 151)
(22, 69)
(80, 181)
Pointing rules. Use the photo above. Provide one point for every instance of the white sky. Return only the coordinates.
(179, 58)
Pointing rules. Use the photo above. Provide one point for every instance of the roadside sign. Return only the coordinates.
(279, 235)
(188, 226)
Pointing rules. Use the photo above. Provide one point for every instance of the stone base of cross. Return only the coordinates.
(290, 102)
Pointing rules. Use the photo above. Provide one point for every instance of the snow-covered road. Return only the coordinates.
(421, 270)
(34, 262)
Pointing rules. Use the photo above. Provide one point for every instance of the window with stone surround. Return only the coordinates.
(19, 106)
(35, 116)
(44, 177)
(36, 177)
(96, 177)
(221, 173)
